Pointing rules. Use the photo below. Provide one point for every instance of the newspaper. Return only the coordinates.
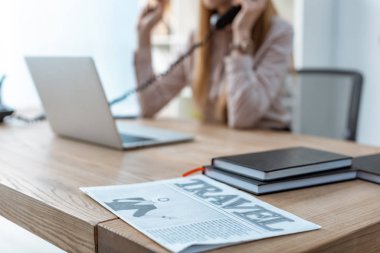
(196, 214)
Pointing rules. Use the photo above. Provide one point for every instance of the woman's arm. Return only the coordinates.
(163, 90)
(155, 97)
(251, 92)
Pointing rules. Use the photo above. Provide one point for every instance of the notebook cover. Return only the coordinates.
(282, 180)
(280, 159)
(369, 164)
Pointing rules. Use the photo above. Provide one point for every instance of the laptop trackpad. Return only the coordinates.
(133, 139)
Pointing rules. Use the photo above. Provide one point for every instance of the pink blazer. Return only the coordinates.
(256, 91)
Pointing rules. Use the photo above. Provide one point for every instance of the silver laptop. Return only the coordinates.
(76, 106)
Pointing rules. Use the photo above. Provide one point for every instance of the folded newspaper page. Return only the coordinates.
(196, 214)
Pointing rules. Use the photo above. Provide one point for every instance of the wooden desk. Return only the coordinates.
(40, 176)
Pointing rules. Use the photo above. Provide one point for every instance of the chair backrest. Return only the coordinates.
(326, 103)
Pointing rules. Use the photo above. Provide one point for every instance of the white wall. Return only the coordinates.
(103, 29)
(345, 34)
(315, 30)
(358, 47)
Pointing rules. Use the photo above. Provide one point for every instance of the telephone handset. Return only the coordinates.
(4, 110)
(220, 24)
(227, 18)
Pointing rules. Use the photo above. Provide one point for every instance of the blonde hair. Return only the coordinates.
(202, 64)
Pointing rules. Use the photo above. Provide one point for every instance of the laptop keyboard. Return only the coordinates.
(132, 138)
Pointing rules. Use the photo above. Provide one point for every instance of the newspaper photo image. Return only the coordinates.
(196, 214)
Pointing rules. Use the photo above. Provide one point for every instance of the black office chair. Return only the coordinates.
(327, 103)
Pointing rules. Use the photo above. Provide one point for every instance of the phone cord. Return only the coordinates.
(40, 117)
(138, 89)
(150, 81)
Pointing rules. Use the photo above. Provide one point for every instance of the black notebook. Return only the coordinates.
(261, 187)
(368, 167)
(282, 163)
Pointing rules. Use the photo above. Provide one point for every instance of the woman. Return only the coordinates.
(237, 78)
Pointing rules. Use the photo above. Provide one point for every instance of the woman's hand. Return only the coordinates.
(246, 19)
(149, 18)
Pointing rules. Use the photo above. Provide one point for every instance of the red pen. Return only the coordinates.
(190, 172)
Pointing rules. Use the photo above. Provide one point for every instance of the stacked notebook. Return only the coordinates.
(280, 170)
(368, 168)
